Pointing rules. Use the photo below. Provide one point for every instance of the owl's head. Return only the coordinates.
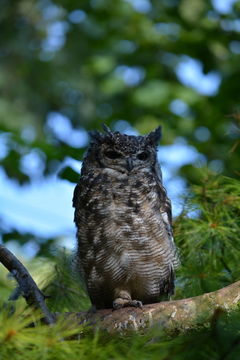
(121, 152)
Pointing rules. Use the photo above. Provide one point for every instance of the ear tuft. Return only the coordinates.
(155, 136)
(107, 129)
(96, 135)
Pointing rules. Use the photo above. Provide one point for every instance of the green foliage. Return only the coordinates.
(208, 236)
(66, 339)
(69, 174)
(84, 75)
(82, 71)
(64, 286)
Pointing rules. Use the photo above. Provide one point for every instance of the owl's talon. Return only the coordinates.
(120, 303)
(136, 303)
(117, 306)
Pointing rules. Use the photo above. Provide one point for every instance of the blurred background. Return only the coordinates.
(68, 66)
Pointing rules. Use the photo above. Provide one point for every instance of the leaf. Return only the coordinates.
(69, 174)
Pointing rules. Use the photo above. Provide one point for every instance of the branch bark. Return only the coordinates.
(169, 316)
(27, 286)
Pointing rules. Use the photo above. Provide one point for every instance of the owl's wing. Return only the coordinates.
(76, 195)
(75, 200)
(166, 206)
(167, 284)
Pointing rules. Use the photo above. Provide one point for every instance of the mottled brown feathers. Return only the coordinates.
(126, 252)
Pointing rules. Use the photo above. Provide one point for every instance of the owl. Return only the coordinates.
(125, 249)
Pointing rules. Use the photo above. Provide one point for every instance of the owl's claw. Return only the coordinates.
(120, 303)
(117, 305)
(136, 303)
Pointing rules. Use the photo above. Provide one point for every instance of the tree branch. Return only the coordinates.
(170, 316)
(27, 286)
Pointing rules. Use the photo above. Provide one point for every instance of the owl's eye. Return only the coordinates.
(143, 155)
(111, 154)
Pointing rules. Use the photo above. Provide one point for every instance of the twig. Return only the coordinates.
(27, 286)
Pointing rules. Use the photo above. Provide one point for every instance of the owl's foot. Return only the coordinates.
(136, 303)
(120, 303)
(123, 299)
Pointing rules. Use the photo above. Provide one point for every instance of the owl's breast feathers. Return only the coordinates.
(124, 234)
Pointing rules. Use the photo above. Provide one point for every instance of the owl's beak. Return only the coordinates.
(129, 164)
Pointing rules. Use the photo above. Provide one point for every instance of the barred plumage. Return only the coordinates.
(126, 252)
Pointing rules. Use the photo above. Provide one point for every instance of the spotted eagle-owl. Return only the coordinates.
(125, 252)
